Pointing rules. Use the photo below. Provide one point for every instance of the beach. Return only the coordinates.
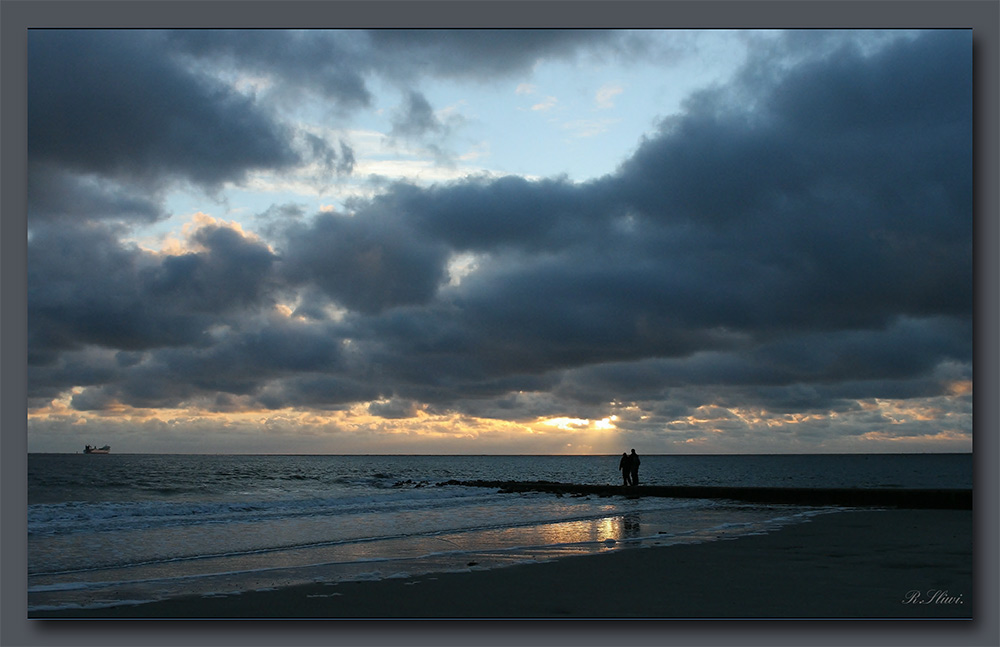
(864, 563)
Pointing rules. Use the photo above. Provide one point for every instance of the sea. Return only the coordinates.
(106, 530)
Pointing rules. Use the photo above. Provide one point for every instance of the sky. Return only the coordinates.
(500, 242)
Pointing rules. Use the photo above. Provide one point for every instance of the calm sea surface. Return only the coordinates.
(106, 529)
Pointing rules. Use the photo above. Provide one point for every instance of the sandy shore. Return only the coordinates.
(858, 564)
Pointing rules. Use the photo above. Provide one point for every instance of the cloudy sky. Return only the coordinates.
(573, 241)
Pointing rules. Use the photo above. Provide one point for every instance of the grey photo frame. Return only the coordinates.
(981, 16)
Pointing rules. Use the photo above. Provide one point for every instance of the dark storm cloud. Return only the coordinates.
(393, 409)
(54, 194)
(366, 264)
(826, 208)
(111, 103)
(118, 116)
(336, 63)
(253, 363)
(230, 274)
(249, 359)
(745, 246)
(796, 239)
(87, 288)
(338, 66)
(893, 130)
(324, 392)
(488, 214)
(898, 362)
(241, 362)
(83, 368)
(331, 64)
(481, 54)
(84, 288)
(114, 122)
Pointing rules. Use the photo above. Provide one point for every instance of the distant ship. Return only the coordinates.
(97, 450)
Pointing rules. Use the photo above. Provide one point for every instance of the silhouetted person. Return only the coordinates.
(625, 465)
(634, 468)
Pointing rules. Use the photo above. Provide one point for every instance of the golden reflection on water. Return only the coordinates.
(607, 531)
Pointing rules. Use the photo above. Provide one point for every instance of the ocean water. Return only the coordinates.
(130, 528)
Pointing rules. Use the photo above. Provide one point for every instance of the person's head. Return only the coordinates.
(633, 451)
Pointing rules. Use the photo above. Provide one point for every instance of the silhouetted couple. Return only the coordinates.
(629, 465)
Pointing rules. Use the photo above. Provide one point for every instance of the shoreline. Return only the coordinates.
(892, 563)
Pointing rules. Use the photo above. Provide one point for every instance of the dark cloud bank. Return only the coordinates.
(795, 240)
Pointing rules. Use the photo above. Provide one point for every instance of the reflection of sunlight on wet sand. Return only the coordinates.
(574, 536)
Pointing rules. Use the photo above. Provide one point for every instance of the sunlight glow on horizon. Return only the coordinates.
(581, 435)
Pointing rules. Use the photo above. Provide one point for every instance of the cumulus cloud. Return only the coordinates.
(57, 194)
(340, 66)
(295, 64)
(118, 118)
(88, 288)
(794, 242)
(366, 264)
(482, 53)
(110, 103)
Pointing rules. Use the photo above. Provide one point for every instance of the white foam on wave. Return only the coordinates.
(83, 516)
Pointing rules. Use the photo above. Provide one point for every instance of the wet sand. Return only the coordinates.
(895, 563)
